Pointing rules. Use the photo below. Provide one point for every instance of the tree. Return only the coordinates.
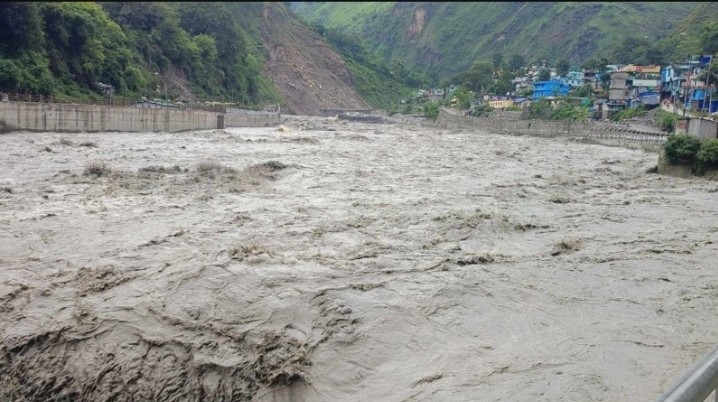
(464, 98)
(541, 61)
(431, 110)
(478, 77)
(602, 63)
(562, 68)
(640, 50)
(516, 62)
(712, 75)
(20, 27)
(590, 64)
(498, 60)
(318, 27)
(605, 80)
(681, 149)
(540, 110)
(709, 38)
(570, 113)
(544, 74)
(502, 85)
(584, 91)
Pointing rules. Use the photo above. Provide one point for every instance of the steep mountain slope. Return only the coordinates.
(696, 33)
(306, 71)
(64, 49)
(252, 53)
(448, 37)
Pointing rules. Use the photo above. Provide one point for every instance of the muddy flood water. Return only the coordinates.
(345, 261)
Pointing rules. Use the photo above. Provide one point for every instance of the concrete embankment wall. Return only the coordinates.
(703, 128)
(61, 117)
(599, 132)
(250, 118)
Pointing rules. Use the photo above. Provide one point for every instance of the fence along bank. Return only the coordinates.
(596, 131)
(68, 117)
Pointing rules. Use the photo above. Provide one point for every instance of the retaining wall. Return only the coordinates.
(335, 112)
(507, 115)
(703, 128)
(250, 118)
(60, 117)
(599, 132)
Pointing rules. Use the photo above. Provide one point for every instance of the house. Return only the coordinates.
(592, 78)
(669, 76)
(680, 83)
(574, 79)
(501, 104)
(520, 83)
(632, 68)
(650, 83)
(646, 91)
(699, 101)
(419, 94)
(601, 110)
(552, 100)
(618, 91)
(648, 98)
(523, 103)
(543, 89)
(106, 89)
(437, 94)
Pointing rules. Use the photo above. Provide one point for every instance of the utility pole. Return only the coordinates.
(707, 87)
(685, 90)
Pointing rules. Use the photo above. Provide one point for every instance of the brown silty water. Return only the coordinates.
(340, 261)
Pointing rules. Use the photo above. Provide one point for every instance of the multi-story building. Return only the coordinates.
(543, 89)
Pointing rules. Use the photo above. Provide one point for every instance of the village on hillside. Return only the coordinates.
(684, 88)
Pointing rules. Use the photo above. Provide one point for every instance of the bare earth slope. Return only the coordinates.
(348, 262)
(306, 71)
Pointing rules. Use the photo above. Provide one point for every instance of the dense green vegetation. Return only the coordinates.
(628, 113)
(444, 38)
(682, 149)
(686, 150)
(707, 157)
(542, 109)
(666, 120)
(164, 50)
(63, 49)
(380, 84)
(431, 110)
(695, 34)
(567, 112)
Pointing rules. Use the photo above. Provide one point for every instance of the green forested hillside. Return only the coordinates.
(697, 32)
(444, 38)
(187, 50)
(64, 48)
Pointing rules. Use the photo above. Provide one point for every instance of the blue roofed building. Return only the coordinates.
(543, 89)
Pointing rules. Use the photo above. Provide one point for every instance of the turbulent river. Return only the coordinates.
(344, 261)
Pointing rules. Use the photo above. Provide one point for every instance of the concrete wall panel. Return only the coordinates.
(94, 118)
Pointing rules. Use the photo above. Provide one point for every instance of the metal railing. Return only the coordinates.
(698, 383)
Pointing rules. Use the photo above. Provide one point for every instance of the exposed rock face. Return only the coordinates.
(308, 73)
